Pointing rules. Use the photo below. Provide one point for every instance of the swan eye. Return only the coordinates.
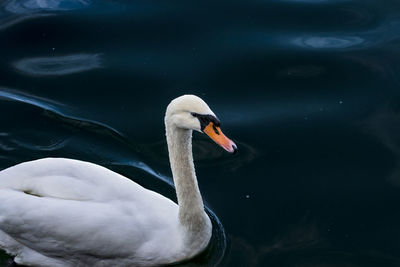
(206, 119)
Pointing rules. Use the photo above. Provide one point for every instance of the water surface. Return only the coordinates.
(308, 90)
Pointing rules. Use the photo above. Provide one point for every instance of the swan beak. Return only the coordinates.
(218, 137)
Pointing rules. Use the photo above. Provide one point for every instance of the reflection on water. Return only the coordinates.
(328, 42)
(15, 95)
(53, 145)
(315, 1)
(298, 238)
(54, 108)
(269, 112)
(143, 166)
(16, 11)
(301, 71)
(58, 65)
(27, 6)
(7, 20)
(385, 125)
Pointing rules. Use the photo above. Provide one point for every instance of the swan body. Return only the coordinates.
(58, 212)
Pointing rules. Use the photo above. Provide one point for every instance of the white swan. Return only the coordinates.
(64, 212)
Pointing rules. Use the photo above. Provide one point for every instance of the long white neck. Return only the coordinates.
(193, 219)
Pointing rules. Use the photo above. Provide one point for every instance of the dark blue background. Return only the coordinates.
(308, 90)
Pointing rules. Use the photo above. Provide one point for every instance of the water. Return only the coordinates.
(308, 90)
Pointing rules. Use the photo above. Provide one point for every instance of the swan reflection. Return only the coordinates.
(61, 65)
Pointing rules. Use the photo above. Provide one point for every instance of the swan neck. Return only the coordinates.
(181, 158)
(194, 223)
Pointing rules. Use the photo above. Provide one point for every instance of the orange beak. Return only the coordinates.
(218, 137)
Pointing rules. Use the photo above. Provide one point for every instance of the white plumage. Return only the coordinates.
(63, 212)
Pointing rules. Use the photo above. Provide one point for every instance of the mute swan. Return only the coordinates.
(60, 212)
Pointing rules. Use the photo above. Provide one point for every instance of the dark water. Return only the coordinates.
(308, 89)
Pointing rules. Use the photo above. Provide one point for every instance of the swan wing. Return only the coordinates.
(69, 179)
(78, 212)
(79, 231)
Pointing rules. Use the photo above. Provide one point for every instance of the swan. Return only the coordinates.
(58, 212)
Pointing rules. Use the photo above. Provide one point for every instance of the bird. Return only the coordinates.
(61, 212)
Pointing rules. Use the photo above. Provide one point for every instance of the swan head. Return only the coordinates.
(192, 113)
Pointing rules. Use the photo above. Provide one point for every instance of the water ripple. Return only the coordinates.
(27, 6)
(37, 101)
(328, 41)
(316, 1)
(61, 65)
(54, 109)
(52, 146)
(144, 167)
(14, 11)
